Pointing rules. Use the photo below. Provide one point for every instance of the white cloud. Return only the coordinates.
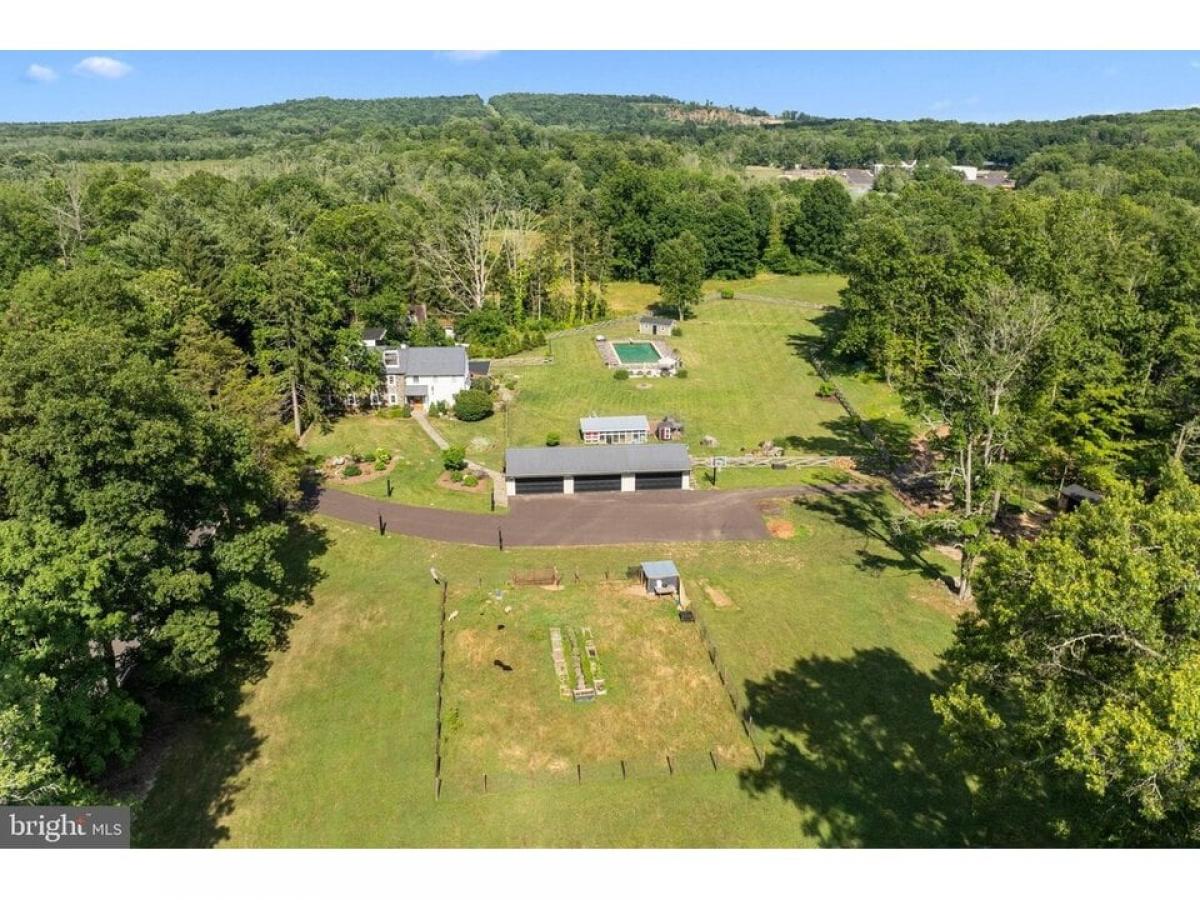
(466, 56)
(44, 74)
(102, 67)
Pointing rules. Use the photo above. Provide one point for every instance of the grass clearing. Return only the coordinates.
(502, 693)
(831, 635)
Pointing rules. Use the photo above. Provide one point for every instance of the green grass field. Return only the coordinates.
(830, 635)
(418, 462)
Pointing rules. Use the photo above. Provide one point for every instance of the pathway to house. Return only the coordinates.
(580, 519)
(499, 494)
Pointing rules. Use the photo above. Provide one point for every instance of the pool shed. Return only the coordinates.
(660, 577)
(577, 470)
(656, 325)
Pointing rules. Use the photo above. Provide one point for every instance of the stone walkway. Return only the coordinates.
(499, 495)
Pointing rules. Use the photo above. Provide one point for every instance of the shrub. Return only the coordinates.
(681, 373)
(621, 375)
(351, 470)
(456, 476)
(454, 458)
(472, 405)
(510, 381)
(552, 439)
(382, 456)
(470, 481)
(726, 293)
(405, 412)
(437, 409)
(826, 389)
(484, 383)
(393, 412)
(677, 331)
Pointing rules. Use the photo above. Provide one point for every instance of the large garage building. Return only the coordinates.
(576, 470)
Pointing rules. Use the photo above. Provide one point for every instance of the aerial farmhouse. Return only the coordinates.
(417, 376)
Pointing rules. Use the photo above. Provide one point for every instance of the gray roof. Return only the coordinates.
(416, 390)
(662, 568)
(520, 462)
(657, 320)
(426, 361)
(480, 366)
(613, 423)
(374, 334)
(1079, 492)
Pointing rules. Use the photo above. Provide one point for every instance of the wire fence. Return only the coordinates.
(664, 765)
(441, 680)
(732, 686)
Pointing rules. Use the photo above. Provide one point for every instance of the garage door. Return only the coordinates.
(539, 485)
(585, 483)
(659, 481)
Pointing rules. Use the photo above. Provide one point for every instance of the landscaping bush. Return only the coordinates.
(484, 383)
(395, 412)
(470, 481)
(456, 476)
(351, 470)
(621, 375)
(681, 373)
(437, 409)
(382, 456)
(472, 405)
(454, 458)
(826, 389)
(677, 332)
(726, 293)
(552, 439)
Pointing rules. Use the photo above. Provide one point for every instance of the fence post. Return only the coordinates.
(713, 760)
(382, 525)
(578, 773)
(670, 768)
(500, 537)
(389, 486)
(485, 786)
(622, 770)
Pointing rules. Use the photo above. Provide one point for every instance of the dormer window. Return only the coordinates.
(391, 357)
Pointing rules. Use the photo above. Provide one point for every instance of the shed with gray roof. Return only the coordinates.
(569, 470)
(614, 429)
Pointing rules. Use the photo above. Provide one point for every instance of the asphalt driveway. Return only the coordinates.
(580, 519)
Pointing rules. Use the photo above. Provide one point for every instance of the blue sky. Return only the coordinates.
(977, 86)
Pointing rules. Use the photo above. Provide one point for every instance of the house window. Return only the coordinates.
(391, 358)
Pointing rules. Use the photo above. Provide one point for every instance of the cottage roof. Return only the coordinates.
(613, 423)
(656, 320)
(374, 334)
(1079, 492)
(612, 459)
(480, 366)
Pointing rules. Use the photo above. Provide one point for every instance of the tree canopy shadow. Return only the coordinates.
(867, 514)
(205, 740)
(857, 747)
(196, 787)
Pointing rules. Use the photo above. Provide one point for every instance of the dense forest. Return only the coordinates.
(182, 296)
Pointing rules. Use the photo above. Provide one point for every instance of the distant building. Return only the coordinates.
(656, 325)
(660, 577)
(1075, 495)
(373, 336)
(668, 429)
(614, 429)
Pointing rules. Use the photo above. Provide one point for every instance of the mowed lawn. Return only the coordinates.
(417, 476)
(830, 635)
(747, 379)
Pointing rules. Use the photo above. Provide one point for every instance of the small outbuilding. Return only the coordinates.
(668, 429)
(576, 470)
(660, 577)
(656, 325)
(614, 429)
(1073, 496)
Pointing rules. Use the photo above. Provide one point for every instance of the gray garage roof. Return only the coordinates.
(613, 423)
(525, 462)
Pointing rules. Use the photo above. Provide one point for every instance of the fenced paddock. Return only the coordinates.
(504, 722)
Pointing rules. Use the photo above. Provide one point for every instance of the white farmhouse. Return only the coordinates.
(418, 376)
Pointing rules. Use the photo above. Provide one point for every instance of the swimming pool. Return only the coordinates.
(636, 352)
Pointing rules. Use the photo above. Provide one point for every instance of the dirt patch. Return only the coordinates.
(955, 553)
(718, 597)
(781, 528)
(483, 487)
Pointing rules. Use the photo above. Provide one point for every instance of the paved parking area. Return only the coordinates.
(579, 520)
